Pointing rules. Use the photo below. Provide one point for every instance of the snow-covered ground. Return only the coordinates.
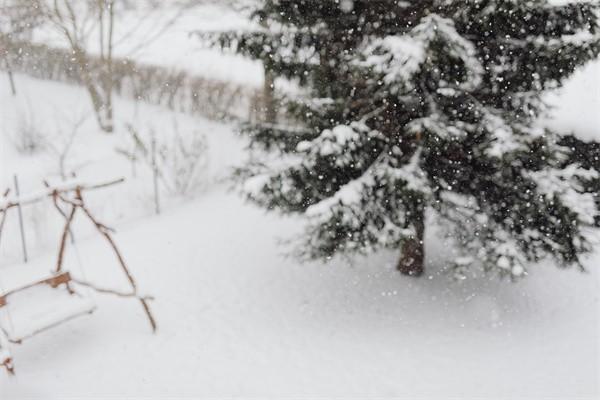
(238, 319)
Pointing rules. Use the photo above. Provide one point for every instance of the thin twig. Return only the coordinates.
(3, 220)
(110, 291)
(50, 192)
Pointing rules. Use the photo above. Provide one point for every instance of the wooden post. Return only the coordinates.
(20, 211)
(155, 177)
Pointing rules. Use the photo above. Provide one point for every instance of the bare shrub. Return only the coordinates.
(27, 137)
(61, 143)
(180, 159)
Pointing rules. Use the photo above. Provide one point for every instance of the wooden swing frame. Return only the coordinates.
(70, 197)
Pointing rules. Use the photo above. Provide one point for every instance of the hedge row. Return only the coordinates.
(168, 87)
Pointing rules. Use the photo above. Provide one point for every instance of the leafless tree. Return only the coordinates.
(77, 21)
(86, 24)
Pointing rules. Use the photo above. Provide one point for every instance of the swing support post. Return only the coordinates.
(104, 231)
(21, 227)
(78, 203)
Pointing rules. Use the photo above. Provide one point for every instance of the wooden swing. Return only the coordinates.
(64, 297)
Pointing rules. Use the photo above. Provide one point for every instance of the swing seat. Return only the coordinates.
(41, 305)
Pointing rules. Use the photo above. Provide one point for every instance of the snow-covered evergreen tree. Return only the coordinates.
(415, 108)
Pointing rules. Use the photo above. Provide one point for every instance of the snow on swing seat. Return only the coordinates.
(37, 308)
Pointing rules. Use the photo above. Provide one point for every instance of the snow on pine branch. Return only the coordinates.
(360, 208)
(341, 142)
(566, 185)
(401, 58)
(409, 177)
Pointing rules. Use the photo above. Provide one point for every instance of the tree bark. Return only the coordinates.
(11, 79)
(413, 249)
(270, 112)
(269, 96)
(108, 79)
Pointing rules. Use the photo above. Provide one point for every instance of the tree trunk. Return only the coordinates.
(103, 114)
(11, 79)
(413, 250)
(269, 96)
(270, 112)
(107, 107)
(109, 78)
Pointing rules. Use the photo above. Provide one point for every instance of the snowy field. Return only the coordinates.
(236, 318)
